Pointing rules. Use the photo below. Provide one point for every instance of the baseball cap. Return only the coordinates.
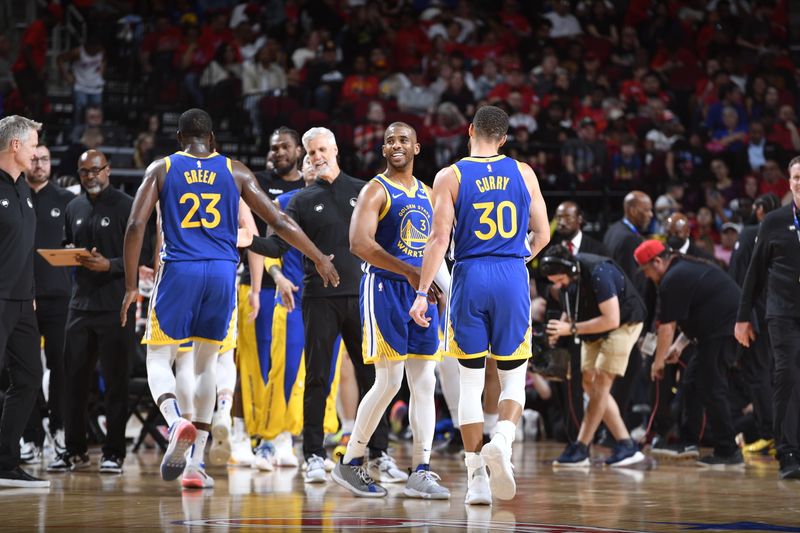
(647, 251)
(732, 225)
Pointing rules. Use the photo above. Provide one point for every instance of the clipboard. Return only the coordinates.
(62, 257)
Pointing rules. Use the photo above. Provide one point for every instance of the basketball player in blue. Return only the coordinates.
(389, 229)
(487, 202)
(194, 298)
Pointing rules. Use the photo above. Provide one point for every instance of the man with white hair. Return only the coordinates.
(323, 210)
(19, 334)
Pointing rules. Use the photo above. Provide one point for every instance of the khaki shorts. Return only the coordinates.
(612, 352)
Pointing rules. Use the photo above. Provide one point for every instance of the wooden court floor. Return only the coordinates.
(659, 497)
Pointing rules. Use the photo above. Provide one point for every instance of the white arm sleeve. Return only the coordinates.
(442, 280)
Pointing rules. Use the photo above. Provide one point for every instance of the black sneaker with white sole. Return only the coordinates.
(66, 462)
(111, 464)
(721, 462)
(20, 478)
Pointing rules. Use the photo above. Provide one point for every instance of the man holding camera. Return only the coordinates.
(603, 310)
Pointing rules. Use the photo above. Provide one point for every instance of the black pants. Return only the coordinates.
(784, 334)
(92, 336)
(51, 316)
(709, 367)
(324, 319)
(19, 354)
(756, 365)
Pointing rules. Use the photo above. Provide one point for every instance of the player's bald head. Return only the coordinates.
(395, 128)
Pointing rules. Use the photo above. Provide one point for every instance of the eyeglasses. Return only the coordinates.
(40, 160)
(83, 172)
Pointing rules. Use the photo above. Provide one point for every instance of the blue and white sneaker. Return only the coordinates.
(265, 456)
(625, 453)
(575, 455)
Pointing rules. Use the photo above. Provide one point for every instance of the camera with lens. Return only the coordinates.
(550, 363)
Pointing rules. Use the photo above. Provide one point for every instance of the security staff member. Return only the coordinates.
(756, 362)
(700, 298)
(776, 264)
(19, 336)
(323, 210)
(96, 220)
(53, 288)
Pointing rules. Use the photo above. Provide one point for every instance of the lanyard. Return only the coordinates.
(630, 226)
(796, 223)
(574, 318)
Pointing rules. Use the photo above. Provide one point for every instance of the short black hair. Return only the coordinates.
(283, 130)
(769, 201)
(490, 122)
(557, 260)
(195, 123)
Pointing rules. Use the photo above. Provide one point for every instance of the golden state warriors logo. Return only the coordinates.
(415, 227)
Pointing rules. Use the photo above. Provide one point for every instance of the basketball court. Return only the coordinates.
(659, 497)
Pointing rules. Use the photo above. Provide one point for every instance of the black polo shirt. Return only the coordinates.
(273, 186)
(99, 223)
(50, 205)
(700, 297)
(17, 237)
(775, 266)
(323, 210)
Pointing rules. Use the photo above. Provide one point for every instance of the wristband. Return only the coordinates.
(424, 294)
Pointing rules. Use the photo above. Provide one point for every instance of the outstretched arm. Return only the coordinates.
(283, 225)
(143, 204)
(445, 192)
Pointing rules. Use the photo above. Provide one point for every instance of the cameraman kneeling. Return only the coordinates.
(702, 300)
(603, 310)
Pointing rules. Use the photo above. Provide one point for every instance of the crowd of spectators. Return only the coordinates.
(686, 98)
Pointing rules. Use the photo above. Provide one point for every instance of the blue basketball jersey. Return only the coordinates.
(199, 209)
(404, 224)
(292, 259)
(492, 210)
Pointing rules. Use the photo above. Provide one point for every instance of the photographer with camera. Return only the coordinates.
(702, 300)
(603, 310)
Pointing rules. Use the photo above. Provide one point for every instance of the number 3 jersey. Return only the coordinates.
(492, 210)
(199, 204)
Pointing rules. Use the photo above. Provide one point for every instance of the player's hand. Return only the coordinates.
(657, 370)
(418, 311)
(287, 290)
(254, 298)
(95, 263)
(743, 331)
(130, 297)
(327, 271)
(244, 238)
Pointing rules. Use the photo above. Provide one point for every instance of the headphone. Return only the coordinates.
(552, 265)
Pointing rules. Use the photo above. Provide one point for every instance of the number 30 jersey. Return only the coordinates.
(492, 210)
(199, 204)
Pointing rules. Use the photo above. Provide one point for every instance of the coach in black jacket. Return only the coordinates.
(323, 210)
(776, 264)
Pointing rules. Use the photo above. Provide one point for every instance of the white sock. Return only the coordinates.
(224, 403)
(347, 425)
(421, 415)
(489, 423)
(449, 381)
(388, 378)
(169, 408)
(474, 461)
(507, 429)
(198, 448)
(205, 371)
(239, 430)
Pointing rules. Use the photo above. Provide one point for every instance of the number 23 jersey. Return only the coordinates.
(492, 210)
(199, 208)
